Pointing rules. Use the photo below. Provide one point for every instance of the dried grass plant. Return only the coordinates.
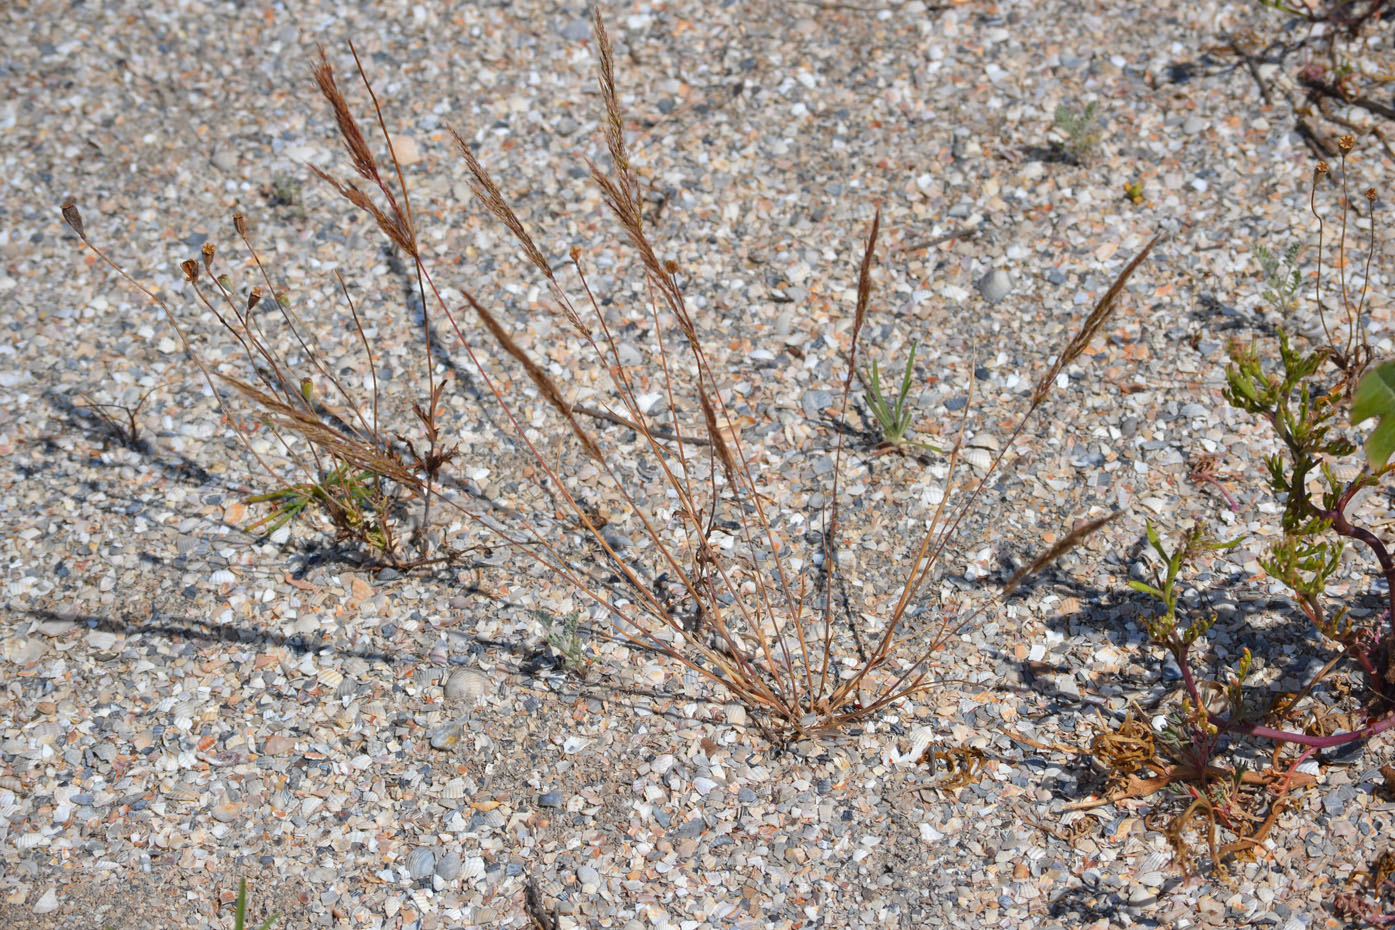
(714, 582)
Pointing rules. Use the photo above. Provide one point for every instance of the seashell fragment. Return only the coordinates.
(448, 735)
(922, 738)
(46, 732)
(977, 456)
(1154, 863)
(31, 841)
(330, 677)
(222, 576)
(467, 684)
(454, 789)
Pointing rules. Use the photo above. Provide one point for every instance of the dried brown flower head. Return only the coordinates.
(73, 218)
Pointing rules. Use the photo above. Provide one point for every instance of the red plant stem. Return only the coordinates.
(1304, 739)
(1344, 527)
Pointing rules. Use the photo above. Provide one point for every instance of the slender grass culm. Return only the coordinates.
(713, 581)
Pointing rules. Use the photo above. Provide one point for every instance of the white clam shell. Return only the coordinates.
(30, 841)
(922, 738)
(47, 732)
(222, 576)
(454, 789)
(467, 684)
(330, 677)
(977, 456)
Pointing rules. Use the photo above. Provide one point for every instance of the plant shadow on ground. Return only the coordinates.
(86, 423)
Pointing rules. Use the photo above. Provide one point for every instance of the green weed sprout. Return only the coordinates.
(240, 911)
(565, 639)
(1281, 277)
(893, 416)
(1081, 128)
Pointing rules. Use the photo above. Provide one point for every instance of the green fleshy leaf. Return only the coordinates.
(1375, 397)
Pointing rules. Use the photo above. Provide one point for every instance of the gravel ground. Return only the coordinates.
(185, 704)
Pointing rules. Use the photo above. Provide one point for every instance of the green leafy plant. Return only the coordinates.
(1080, 126)
(1309, 396)
(240, 910)
(893, 416)
(564, 636)
(1375, 397)
(1281, 277)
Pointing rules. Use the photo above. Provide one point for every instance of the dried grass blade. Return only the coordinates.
(359, 152)
(539, 377)
(488, 193)
(1072, 539)
(1104, 307)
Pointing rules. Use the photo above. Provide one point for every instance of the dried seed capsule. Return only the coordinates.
(254, 298)
(190, 269)
(208, 256)
(1346, 143)
(73, 218)
(240, 224)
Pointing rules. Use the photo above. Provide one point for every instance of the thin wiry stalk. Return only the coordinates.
(74, 220)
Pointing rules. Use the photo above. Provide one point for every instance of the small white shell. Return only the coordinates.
(1310, 767)
(454, 789)
(31, 840)
(977, 456)
(46, 732)
(922, 738)
(574, 744)
(222, 576)
(472, 868)
(183, 794)
(1154, 863)
(330, 677)
(466, 684)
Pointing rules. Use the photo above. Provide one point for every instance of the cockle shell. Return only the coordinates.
(922, 738)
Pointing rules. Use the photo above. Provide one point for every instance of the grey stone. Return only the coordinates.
(1193, 125)
(815, 403)
(551, 799)
(588, 876)
(448, 866)
(225, 159)
(995, 285)
(577, 30)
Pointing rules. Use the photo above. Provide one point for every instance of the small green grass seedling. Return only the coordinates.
(893, 416)
(240, 911)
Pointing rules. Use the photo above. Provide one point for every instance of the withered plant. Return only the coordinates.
(714, 580)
